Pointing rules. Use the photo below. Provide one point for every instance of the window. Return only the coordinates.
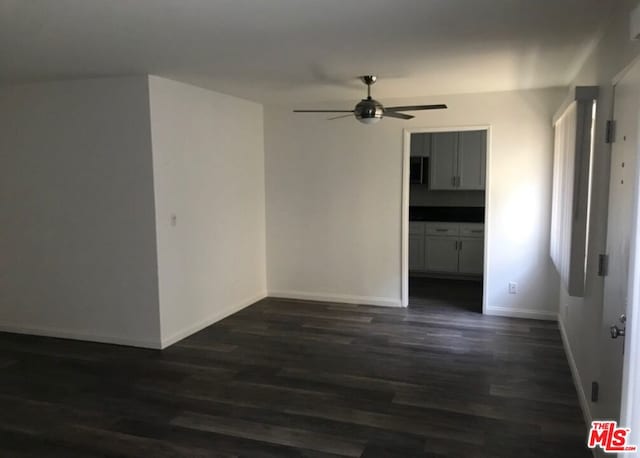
(572, 172)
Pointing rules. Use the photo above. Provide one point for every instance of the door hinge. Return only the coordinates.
(595, 388)
(611, 131)
(603, 265)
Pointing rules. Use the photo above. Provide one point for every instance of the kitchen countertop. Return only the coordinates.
(447, 214)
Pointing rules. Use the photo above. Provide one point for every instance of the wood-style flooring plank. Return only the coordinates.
(291, 378)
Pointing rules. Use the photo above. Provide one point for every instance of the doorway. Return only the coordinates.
(619, 346)
(444, 217)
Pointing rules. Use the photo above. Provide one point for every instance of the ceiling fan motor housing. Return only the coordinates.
(369, 111)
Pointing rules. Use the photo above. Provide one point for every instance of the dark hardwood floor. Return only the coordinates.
(290, 378)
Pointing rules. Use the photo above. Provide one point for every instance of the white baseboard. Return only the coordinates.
(341, 298)
(153, 344)
(521, 313)
(76, 335)
(208, 321)
(582, 397)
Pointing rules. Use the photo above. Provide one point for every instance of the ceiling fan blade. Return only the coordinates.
(417, 107)
(323, 111)
(339, 117)
(395, 114)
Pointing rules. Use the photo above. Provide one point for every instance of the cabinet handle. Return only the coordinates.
(457, 182)
(477, 231)
(460, 246)
(453, 181)
(442, 230)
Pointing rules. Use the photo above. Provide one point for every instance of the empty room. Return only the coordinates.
(364, 228)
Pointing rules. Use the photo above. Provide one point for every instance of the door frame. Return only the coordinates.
(404, 248)
(630, 395)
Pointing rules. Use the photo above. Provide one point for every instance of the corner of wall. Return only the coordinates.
(208, 321)
(148, 83)
(192, 141)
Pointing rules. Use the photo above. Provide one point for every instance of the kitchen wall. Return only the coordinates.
(334, 200)
(78, 249)
(208, 163)
(582, 318)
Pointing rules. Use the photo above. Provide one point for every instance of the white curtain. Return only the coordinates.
(563, 191)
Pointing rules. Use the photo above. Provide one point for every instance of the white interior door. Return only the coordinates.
(622, 201)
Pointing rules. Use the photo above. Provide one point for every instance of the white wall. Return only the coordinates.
(582, 318)
(208, 162)
(77, 241)
(334, 200)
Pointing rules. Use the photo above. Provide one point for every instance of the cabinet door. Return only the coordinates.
(417, 145)
(426, 145)
(444, 160)
(420, 145)
(416, 227)
(472, 154)
(416, 252)
(471, 256)
(441, 254)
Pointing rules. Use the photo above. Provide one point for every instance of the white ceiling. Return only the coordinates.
(285, 51)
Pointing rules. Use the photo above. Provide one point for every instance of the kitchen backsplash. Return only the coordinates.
(447, 214)
(420, 196)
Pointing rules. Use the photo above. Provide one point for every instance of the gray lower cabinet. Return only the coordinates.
(416, 252)
(441, 254)
(447, 248)
(471, 256)
(416, 246)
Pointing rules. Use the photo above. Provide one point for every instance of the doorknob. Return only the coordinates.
(616, 332)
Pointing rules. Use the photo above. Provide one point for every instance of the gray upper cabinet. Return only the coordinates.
(443, 163)
(472, 154)
(420, 145)
(458, 160)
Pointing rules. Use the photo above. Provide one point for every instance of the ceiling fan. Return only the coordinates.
(370, 111)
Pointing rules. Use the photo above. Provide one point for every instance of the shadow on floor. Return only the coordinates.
(445, 294)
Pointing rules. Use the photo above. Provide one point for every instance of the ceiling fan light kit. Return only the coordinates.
(370, 111)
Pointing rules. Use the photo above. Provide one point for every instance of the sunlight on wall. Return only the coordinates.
(520, 216)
